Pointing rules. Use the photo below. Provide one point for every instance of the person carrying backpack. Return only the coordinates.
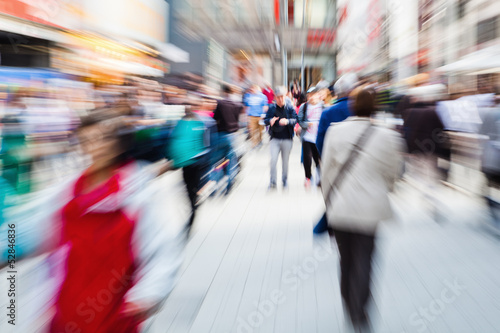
(309, 116)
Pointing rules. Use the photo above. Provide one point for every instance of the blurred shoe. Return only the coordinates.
(307, 183)
(285, 186)
(272, 187)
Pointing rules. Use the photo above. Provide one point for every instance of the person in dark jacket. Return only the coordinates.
(427, 142)
(423, 129)
(281, 119)
(227, 115)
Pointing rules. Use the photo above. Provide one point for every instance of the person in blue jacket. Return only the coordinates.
(335, 113)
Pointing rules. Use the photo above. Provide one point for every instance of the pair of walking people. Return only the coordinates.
(282, 118)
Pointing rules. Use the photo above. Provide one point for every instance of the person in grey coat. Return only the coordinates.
(355, 209)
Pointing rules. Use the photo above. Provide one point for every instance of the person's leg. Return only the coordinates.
(189, 174)
(306, 148)
(315, 154)
(343, 240)
(275, 149)
(360, 276)
(233, 160)
(317, 161)
(254, 124)
(260, 129)
(286, 148)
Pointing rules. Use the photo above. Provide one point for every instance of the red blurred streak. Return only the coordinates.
(343, 15)
(23, 11)
(277, 11)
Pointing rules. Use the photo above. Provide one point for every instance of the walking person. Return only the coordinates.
(256, 103)
(120, 258)
(227, 115)
(190, 148)
(309, 115)
(281, 118)
(361, 162)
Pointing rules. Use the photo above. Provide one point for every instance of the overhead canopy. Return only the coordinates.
(480, 62)
(172, 52)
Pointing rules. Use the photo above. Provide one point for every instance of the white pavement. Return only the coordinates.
(253, 264)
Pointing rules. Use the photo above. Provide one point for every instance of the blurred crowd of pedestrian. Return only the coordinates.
(85, 156)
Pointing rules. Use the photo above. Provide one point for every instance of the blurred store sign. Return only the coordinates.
(141, 20)
(320, 37)
(60, 13)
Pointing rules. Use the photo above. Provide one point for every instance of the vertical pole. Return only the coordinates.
(285, 68)
(302, 83)
(285, 8)
(302, 72)
(335, 52)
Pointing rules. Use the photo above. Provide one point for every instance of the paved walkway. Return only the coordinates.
(253, 264)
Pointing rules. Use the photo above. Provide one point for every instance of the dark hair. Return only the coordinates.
(364, 103)
(226, 89)
(113, 125)
(302, 99)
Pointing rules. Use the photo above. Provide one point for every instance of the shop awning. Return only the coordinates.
(172, 52)
(482, 61)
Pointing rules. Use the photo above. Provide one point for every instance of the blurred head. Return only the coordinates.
(280, 93)
(364, 103)
(255, 89)
(105, 137)
(313, 95)
(427, 94)
(345, 84)
(226, 90)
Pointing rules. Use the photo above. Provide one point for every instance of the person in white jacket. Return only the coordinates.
(356, 207)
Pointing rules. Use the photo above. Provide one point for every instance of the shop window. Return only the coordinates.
(487, 30)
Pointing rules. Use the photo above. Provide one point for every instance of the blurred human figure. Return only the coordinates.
(427, 142)
(360, 165)
(324, 93)
(490, 158)
(340, 110)
(268, 91)
(189, 149)
(14, 153)
(336, 113)
(281, 118)
(256, 103)
(309, 115)
(227, 115)
(295, 90)
(119, 260)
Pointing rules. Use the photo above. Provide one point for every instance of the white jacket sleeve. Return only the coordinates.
(159, 239)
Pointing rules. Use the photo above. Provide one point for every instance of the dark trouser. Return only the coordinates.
(355, 268)
(192, 178)
(310, 152)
